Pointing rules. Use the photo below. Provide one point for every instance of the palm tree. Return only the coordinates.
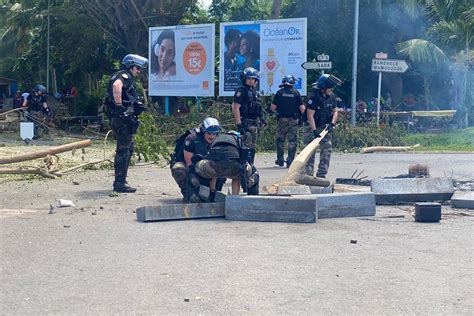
(451, 35)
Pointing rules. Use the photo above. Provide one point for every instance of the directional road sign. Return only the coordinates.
(389, 65)
(317, 65)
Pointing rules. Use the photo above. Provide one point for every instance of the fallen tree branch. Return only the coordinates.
(11, 111)
(368, 150)
(61, 172)
(296, 174)
(36, 171)
(44, 153)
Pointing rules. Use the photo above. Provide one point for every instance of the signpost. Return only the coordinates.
(382, 64)
(322, 63)
(311, 65)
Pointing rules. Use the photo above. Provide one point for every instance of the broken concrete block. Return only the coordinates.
(166, 212)
(293, 190)
(463, 199)
(205, 191)
(271, 216)
(299, 189)
(344, 204)
(270, 208)
(320, 190)
(340, 188)
(394, 191)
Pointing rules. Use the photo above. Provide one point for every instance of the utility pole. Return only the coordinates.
(354, 63)
(47, 54)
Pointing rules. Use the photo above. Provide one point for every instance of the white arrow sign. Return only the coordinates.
(317, 65)
(389, 65)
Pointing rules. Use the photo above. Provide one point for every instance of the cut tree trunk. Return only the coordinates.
(44, 153)
(297, 172)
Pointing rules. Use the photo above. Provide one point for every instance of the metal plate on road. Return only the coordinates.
(389, 65)
(317, 65)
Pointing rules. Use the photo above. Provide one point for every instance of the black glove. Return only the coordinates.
(195, 158)
(138, 108)
(241, 129)
(212, 196)
(330, 127)
(316, 134)
(47, 111)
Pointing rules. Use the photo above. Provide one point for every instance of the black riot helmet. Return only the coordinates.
(40, 89)
(327, 81)
(287, 80)
(131, 60)
(249, 72)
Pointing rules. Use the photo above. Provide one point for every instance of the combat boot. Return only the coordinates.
(279, 162)
(123, 187)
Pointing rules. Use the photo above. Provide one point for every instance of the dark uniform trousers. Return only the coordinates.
(325, 151)
(124, 149)
(179, 173)
(251, 132)
(287, 127)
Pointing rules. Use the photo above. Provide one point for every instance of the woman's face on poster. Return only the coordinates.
(166, 53)
(244, 46)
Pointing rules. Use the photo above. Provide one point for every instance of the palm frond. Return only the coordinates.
(422, 51)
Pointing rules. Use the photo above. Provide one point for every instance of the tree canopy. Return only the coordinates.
(89, 36)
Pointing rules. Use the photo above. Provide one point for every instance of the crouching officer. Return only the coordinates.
(228, 158)
(123, 109)
(289, 107)
(193, 144)
(322, 113)
(247, 109)
(35, 106)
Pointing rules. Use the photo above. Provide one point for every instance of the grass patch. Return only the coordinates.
(460, 140)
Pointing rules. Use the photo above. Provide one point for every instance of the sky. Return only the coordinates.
(206, 3)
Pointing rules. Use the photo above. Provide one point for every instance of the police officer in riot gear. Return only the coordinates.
(194, 142)
(247, 109)
(123, 108)
(321, 113)
(35, 105)
(289, 107)
(228, 158)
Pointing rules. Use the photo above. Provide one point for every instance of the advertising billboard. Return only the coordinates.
(274, 47)
(181, 60)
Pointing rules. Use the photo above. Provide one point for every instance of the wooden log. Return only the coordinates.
(36, 171)
(11, 111)
(368, 150)
(44, 153)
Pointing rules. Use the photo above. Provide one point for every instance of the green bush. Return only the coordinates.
(352, 138)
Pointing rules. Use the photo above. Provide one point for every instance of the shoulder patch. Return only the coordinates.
(187, 142)
(125, 76)
(238, 94)
(310, 101)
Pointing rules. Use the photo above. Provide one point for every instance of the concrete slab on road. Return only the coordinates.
(166, 212)
(463, 199)
(270, 208)
(407, 190)
(345, 205)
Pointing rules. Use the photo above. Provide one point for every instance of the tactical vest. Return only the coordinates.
(200, 145)
(224, 148)
(251, 107)
(324, 105)
(288, 108)
(36, 102)
(129, 94)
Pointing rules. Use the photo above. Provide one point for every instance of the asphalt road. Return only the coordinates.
(95, 257)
